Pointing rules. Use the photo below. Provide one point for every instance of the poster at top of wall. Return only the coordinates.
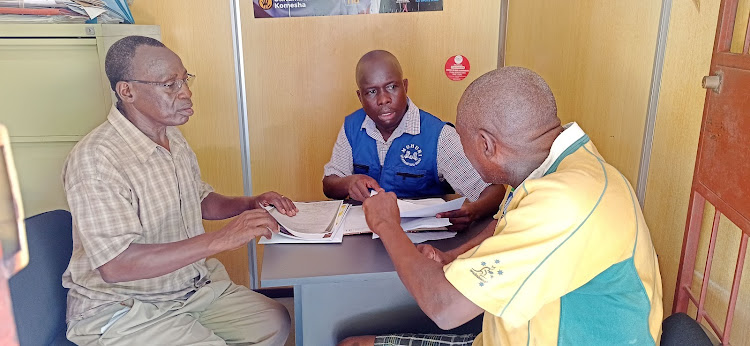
(310, 8)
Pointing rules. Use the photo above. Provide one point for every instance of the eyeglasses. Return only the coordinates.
(172, 87)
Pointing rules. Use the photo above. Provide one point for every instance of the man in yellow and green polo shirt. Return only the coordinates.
(568, 261)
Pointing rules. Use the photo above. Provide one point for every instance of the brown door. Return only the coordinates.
(722, 167)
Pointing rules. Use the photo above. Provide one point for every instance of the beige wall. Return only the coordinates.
(597, 57)
(200, 33)
(688, 57)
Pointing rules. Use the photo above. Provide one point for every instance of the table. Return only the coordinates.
(352, 288)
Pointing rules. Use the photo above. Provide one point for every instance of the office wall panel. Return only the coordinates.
(597, 57)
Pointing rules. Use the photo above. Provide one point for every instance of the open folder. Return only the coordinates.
(315, 222)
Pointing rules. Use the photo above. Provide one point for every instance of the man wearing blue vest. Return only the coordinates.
(390, 143)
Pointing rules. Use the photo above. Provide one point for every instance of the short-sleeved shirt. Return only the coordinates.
(571, 260)
(123, 188)
(452, 164)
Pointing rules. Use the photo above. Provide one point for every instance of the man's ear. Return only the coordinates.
(124, 92)
(406, 85)
(488, 144)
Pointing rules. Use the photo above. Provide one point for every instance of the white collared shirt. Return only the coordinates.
(571, 133)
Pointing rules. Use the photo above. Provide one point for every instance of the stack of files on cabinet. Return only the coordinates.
(65, 11)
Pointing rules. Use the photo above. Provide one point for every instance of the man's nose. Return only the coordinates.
(383, 99)
(185, 92)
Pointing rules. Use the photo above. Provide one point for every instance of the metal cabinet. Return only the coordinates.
(53, 91)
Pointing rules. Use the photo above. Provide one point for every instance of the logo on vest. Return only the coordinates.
(411, 155)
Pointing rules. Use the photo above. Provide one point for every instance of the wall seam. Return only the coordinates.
(653, 101)
(239, 71)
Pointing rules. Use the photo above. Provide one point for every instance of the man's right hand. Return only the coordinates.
(246, 226)
(435, 254)
(360, 185)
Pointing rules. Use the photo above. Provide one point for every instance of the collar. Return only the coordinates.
(566, 142)
(142, 146)
(409, 124)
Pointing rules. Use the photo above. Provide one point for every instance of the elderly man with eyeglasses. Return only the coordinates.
(139, 274)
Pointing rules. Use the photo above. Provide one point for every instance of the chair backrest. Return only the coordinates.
(38, 298)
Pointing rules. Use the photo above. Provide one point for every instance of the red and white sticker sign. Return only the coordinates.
(457, 67)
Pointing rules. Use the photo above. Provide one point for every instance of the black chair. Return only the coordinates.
(38, 298)
(682, 330)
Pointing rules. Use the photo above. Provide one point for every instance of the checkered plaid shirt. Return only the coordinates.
(123, 188)
(452, 164)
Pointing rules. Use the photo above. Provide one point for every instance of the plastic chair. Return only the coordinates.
(38, 297)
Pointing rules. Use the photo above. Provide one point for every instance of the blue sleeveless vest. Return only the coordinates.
(410, 166)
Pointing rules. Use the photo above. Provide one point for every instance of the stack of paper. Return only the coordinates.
(416, 215)
(65, 11)
(315, 222)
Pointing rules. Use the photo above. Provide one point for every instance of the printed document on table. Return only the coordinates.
(336, 235)
(355, 222)
(421, 237)
(314, 220)
(428, 207)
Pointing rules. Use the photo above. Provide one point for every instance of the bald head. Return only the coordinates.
(513, 103)
(381, 89)
(512, 112)
(376, 60)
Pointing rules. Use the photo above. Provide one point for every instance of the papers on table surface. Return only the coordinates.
(428, 207)
(278, 238)
(314, 220)
(421, 237)
(307, 225)
(314, 223)
(355, 220)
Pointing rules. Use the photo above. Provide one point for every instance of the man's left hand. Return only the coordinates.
(381, 212)
(461, 218)
(282, 204)
(436, 255)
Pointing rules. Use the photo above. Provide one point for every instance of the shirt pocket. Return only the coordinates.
(361, 169)
(410, 179)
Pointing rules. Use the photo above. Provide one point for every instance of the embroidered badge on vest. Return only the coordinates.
(486, 273)
(411, 155)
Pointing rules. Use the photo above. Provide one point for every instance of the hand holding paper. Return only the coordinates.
(460, 218)
(283, 204)
(382, 212)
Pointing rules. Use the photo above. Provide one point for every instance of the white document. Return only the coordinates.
(337, 233)
(94, 12)
(277, 238)
(421, 237)
(416, 223)
(428, 207)
(355, 222)
(314, 220)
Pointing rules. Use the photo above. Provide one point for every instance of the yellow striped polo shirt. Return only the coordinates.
(571, 261)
